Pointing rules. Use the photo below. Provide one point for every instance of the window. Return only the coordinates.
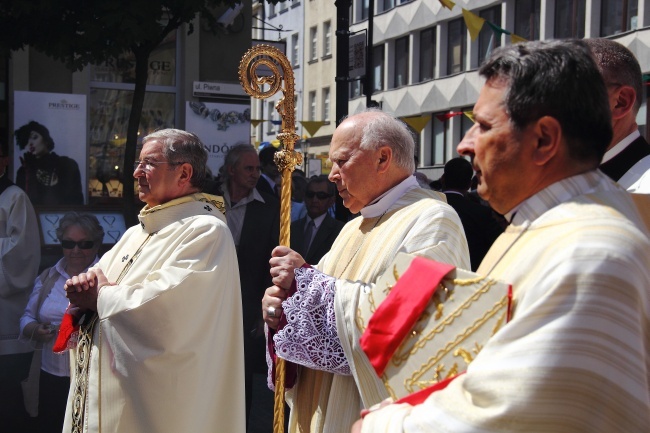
(401, 62)
(364, 10)
(270, 112)
(527, 19)
(109, 107)
(618, 16)
(378, 68)
(487, 39)
(271, 10)
(295, 50)
(327, 38)
(457, 35)
(384, 5)
(438, 141)
(312, 105)
(465, 123)
(283, 6)
(427, 53)
(326, 104)
(313, 47)
(355, 88)
(569, 19)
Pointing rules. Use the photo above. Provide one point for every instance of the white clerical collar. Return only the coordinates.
(382, 203)
(620, 146)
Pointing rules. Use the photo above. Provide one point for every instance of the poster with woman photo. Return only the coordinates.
(50, 153)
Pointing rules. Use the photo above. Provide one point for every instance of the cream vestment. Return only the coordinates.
(418, 222)
(574, 357)
(167, 349)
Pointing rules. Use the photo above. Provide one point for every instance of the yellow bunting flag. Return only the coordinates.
(255, 122)
(417, 122)
(312, 126)
(473, 22)
(470, 115)
(515, 39)
(448, 4)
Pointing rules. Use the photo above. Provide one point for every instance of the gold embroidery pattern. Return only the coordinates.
(402, 355)
(82, 370)
(433, 362)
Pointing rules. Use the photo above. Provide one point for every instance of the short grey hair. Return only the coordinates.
(183, 147)
(386, 130)
(87, 222)
(232, 158)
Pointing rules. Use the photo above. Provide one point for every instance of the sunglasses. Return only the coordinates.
(84, 245)
(320, 194)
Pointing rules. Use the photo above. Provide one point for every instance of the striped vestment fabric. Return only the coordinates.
(574, 357)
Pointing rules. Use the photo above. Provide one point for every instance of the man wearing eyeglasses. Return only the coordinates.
(627, 159)
(159, 325)
(313, 235)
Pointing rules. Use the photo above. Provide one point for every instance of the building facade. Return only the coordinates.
(425, 61)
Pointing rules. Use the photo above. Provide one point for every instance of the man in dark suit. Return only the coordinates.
(627, 160)
(481, 228)
(269, 180)
(312, 236)
(254, 220)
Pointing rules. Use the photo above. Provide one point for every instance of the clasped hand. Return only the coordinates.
(283, 263)
(82, 290)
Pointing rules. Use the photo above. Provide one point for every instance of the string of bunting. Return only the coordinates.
(446, 116)
(475, 24)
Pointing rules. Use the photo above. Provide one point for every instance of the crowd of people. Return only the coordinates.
(167, 330)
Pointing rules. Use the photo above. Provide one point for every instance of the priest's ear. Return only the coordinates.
(622, 100)
(185, 173)
(384, 158)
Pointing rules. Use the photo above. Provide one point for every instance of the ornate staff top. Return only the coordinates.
(254, 84)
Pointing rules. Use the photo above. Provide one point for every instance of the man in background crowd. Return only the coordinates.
(627, 159)
(313, 235)
(254, 220)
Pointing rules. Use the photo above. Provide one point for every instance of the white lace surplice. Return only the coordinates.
(310, 337)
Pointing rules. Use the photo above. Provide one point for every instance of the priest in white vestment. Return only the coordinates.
(159, 344)
(372, 167)
(574, 357)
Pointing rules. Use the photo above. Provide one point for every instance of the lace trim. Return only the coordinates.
(310, 337)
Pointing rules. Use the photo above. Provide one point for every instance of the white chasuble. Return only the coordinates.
(419, 223)
(574, 357)
(167, 351)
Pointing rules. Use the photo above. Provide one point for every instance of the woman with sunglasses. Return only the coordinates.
(81, 236)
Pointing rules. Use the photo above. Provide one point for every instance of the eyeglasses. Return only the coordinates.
(320, 194)
(83, 245)
(147, 166)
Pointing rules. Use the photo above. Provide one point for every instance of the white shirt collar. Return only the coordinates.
(620, 146)
(318, 220)
(382, 203)
(253, 195)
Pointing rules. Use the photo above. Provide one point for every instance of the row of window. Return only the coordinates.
(616, 16)
(326, 40)
(325, 105)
